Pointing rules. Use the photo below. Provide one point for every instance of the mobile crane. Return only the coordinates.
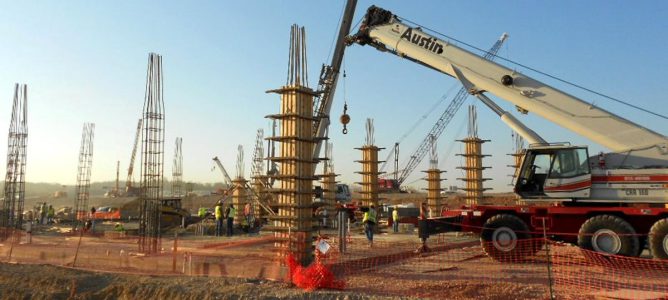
(611, 203)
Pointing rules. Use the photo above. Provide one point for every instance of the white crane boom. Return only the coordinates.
(386, 32)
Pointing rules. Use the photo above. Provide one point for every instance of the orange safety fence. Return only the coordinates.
(458, 266)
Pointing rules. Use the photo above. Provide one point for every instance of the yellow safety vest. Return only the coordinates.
(370, 216)
(395, 215)
(219, 212)
(233, 212)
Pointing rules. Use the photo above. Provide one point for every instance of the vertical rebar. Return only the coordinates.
(369, 193)
(239, 195)
(259, 180)
(83, 176)
(177, 169)
(292, 225)
(11, 215)
(152, 158)
(329, 184)
(434, 198)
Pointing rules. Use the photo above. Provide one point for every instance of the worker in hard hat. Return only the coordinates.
(248, 215)
(369, 221)
(395, 220)
(50, 214)
(230, 220)
(201, 213)
(219, 218)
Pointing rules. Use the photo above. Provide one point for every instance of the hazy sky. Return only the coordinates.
(85, 61)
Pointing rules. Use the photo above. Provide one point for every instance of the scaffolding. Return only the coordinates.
(434, 197)
(473, 162)
(258, 178)
(369, 193)
(83, 176)
(293, 225)
(177, 170)
(11, 215)
(152, 158)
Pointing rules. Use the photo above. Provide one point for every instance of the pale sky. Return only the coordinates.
(85, 61)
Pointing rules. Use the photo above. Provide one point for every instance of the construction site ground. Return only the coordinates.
(220, 268)
(108, 266)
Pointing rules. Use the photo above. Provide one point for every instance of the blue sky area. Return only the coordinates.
(85, 61)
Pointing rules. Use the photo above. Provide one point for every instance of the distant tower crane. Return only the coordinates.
(436, 130)
(129, 189)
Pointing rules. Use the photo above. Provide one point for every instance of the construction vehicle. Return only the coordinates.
(172, 214)
(612, 203)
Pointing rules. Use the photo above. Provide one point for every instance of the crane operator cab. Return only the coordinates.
(554, 171)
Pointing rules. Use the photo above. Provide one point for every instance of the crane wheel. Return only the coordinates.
(507, 238)
(658, 239)
(609, 234)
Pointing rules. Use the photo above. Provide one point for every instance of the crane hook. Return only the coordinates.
(345, 118)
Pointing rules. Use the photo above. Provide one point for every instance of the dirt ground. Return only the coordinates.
(50, 282)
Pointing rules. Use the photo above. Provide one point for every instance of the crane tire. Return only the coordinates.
(658, 239)
(506, 238)
(609, 234)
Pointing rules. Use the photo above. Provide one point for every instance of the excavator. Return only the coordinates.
(612, 203)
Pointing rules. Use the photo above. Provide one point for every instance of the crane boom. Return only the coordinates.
(329, 75)
(444, 120)
(385, 31)
(228, 179)
(128, 182)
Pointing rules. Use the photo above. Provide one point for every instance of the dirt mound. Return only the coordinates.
(49, 282)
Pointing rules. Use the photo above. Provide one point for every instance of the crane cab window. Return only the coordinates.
(542, 164)
(534, 171)
(569, 163)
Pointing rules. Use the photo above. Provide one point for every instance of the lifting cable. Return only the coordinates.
(418, 122)
(542, 73)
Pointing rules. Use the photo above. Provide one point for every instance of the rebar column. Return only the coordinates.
(258, 178)
(11, 213)
(434, 198)
(328, 184)
(293, 225)
(473, 162)
(517, 155)
(177, 169)
(369, 193)
(152, 158)
(81, 208)
(239, 199)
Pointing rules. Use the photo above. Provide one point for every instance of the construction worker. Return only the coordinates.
(50, 214)
(92, 219)
(230, 220)
(395, 220)
(219, 218)
(369, 222)
(201, 213)
(248, 215)
(42, 213)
